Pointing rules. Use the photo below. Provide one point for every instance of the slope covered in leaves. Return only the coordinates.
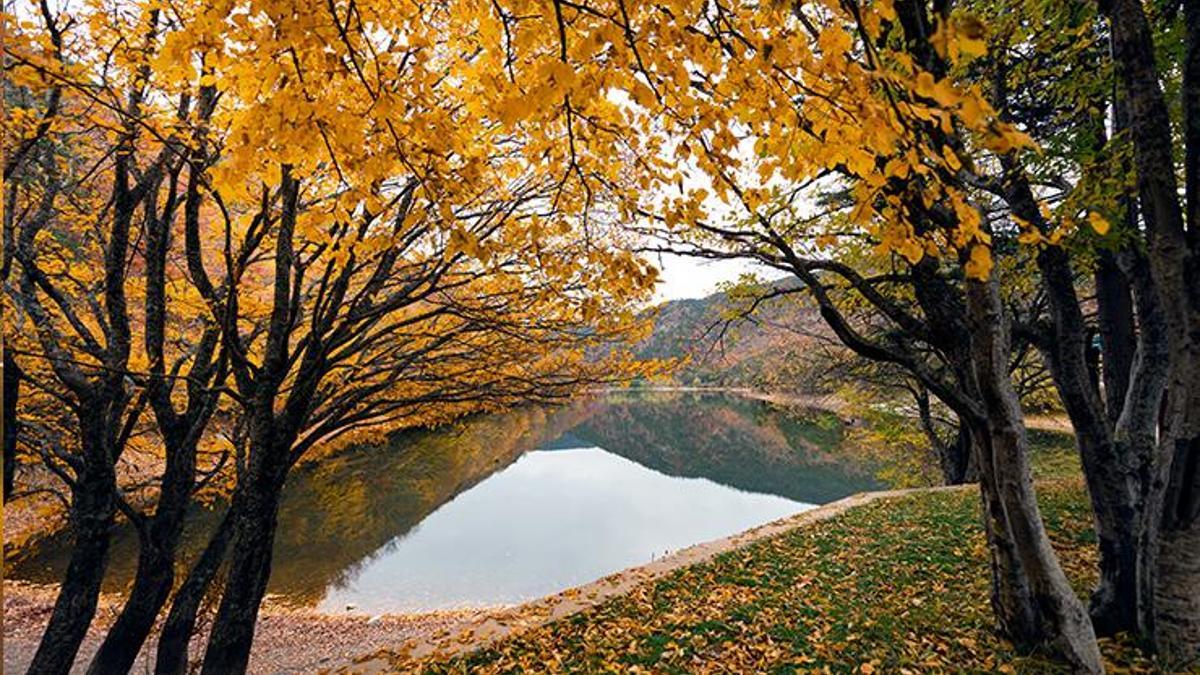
(896, 586)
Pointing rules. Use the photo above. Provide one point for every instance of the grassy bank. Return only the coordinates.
(895, 586)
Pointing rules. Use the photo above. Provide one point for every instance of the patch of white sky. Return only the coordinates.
(688, 276)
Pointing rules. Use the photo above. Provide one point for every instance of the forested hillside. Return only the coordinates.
(782, 346)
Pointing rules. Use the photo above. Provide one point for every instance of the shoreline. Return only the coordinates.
(486, 630)
(302, 639)
(288, 639)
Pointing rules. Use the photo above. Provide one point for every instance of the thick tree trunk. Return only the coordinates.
(92, 510)
(1174, 261)
(1177, 595)
(1176, 571)
(256, 508)
(1012, 598)
(171, 657)
(1059, 620)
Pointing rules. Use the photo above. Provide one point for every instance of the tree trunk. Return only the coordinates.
(151, 586)
(1177, 596)
(958, 459)
(1176, 571)
(256, 508)
(12, 389)
(158, 544)
(92, 510)
(1115, 312)
(1059, 621)
(1012, 599)
(171, 657)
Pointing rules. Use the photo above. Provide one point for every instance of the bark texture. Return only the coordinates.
(92, 510)
(171, 656)
(12, 389)
(1059, 620)
(254, 522)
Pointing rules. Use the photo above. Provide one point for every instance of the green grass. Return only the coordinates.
(1053, 455)
(895, 586)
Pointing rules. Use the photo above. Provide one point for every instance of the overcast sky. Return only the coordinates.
(684, 277)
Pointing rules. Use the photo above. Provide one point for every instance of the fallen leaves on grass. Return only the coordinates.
(895, 586)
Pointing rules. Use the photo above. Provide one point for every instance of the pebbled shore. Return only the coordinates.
(288, 639)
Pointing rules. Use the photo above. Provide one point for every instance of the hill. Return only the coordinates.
(774, 348)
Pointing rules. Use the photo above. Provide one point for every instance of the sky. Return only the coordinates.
(686, 277)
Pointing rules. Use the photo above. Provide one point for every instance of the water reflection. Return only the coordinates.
(509, 507)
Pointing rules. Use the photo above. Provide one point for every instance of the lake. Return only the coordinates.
(506, 508)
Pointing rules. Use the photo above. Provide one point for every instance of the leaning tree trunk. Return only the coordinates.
(171, 657)
(255, 512)
(158, 543)
(92, 511)
(1059, 620)
(12, 389)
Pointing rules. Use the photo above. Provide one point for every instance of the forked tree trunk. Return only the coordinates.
(1059, 621)
(1173, 517)
(158, 543)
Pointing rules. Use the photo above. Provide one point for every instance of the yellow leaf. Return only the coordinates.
(979, 266)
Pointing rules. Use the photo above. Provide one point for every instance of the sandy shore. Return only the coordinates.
(288, 640)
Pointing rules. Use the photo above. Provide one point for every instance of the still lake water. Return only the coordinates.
(507, 508)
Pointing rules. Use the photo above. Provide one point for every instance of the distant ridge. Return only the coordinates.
(775, 349)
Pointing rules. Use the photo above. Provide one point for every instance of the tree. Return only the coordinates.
(96, 188)
(326, 263)
(888, 104)
(767, 105)
(1171, 579)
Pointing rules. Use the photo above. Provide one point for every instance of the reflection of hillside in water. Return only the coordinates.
(742, 443)
(351, 507)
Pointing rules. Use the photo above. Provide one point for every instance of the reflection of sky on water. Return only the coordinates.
(552, 520)
(465, 515)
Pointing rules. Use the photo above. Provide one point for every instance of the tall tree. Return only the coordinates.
(765, 105)
(1171, 579)
(348, 263)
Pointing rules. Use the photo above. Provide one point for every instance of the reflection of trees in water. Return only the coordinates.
(337, 513)
(739, 442)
